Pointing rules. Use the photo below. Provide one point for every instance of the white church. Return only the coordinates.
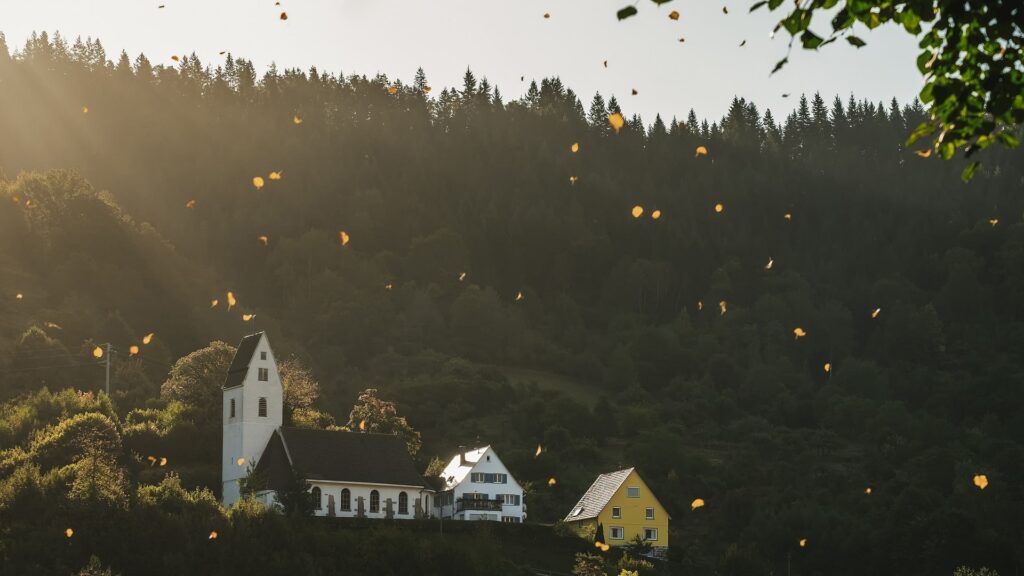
(352, 474)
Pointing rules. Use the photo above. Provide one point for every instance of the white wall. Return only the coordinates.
(247, 434)
(489, 463)
(363, 490)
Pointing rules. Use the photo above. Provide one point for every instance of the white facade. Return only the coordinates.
(252, 411)
(478, 486)
(361, 498)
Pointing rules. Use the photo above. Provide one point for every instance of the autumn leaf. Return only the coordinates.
(163, 461)
(275, 175)
(787, 216)
(552, 481)
(97, 352)
(85, 109)
(637, 211)
(152, 460)
(771, 262)
(981, 481)
(257, 181)
(214, 302)
(362, 424)
(539, 450)
(876, 312)
(547, 15)
(213, 535)
(719, 207)
(264, 240)
(617, 121)
(247, 317)
(697, 503)
(296, 119)
(190, 204)
(388, 286)
(725, 9)
(343, 237)
(53, 325)
(392, 90)
(426, 89)
(799, 332)
(867, 490)
(133, 350)
(19, 296)
(673, 15)
(656, 214)
(723, 307)
(635, 92)
(573, 180)
(175, 58)
(993, 221)
(575, 147)
(284, 15)
(519, 296)
(924, 153)
(231, 300)
(700, 305)
(701, 151)
(69, 532)
(240, 461)
(828, 367)
(803, 542)
(147, 338)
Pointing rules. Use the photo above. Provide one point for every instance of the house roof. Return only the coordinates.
(338, 456)
(598, 495)
(458, 467)
(240, 363)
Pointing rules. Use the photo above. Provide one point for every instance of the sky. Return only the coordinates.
(503, 41)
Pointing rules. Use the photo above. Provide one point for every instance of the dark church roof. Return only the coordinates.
(338, 456)
(240, 363)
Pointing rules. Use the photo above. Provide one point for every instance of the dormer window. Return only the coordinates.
(264, 374)
(263, 407)
(633, 492)
(263, 355)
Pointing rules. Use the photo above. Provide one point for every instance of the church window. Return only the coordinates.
(263, 355)
(232, 408)
(374, 501)
(403, 503)
(317, 498)
(263, 375)
(263, 407)
(346, 500)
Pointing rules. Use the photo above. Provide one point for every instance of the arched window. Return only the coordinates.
(403, 503)
(374, 501)
(317, 498)
(346, 500)
(263, 407)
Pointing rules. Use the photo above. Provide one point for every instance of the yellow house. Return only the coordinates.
(625, 507)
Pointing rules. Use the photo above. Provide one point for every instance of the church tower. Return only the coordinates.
(253, 410)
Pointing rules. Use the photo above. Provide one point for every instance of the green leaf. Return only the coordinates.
(921, 131)
(660, 2)
(968, 172)
(810, 40)
(626, 12)
(1008, 140)
(779, 65)
(758, 5)
(855, 41)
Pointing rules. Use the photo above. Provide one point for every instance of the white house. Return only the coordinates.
(476, 485)
(350, 473)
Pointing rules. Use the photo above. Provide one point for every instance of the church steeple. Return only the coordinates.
(253, 410)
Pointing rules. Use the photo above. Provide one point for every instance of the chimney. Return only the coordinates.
(462, 456)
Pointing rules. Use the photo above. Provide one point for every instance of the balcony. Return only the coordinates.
(478, 504)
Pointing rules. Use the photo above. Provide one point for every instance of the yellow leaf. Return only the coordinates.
(656, 214)
(426, 89)
(190, 204)
(573, 179)
(257, 181)
(240, 461)
(876, 312)
(539, 450)
(213, 535)
(617, 121)
(635, 92)
(552, 481)
(152, 459)
(362, 424)
(519, 296)
(247, 317)
(69, 532)
(787, 216)
(828, 367)
(97, 352)
(771, 262)
(673, 15)
(53, 325)
(994, 221)
(231, 300)
(719, 207)
(133, 350)
(462, 276)
(700, 305)
(867, 490)
(803, 542)
(981, 481)
(264, 240)
(547, 15)
(701, 151)
(19, 296)
(175, 58)
(723, 306)
(924, 153)
(638, 211)
(697, 503)
(296, 119)
(85, 109)
(284, 15)
(147, 338)
(392, 90)
(575, 147)
(388, 286)
(681, 40)
(799, 332)
(163, 461)
(214, 302)
(343, 237)
(275, 175)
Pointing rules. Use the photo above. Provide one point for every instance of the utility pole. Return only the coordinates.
(108, 368)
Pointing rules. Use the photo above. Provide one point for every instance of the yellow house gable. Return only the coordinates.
(623, 504)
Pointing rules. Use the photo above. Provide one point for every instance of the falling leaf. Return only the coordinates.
(638, 211)
(981, 481)
(605, 63)
(682, 39)
(725, 9)
(147, 338)
(519, 296)
(656, 214)
(190, 204)
(343, 237)
(867, 490)
(673, 15)
(213, 535)
(799, 332)
(787, 216)
(133, 350)
(392, 90)
(426, 89)
(462, 276)
(284, 15)
(617, 121)
(539, 450)
(362, 424)
(247, 317)
(275, 175)
(69, 532)
(575, 147)
(604, 547)
(264, 240)
(552, 481)
(547, 15)
(257, 181)
(719, 207)
(388, 286)
(175, 58)
(97, 352)
(924, 153)
(222, 52)
(214, 302)
(786, 95)
(573, 179)
(771, 262)
(742, 44)
(163, 461)
(152, 460)
(701, 151)
(161, 6)
(828, 367)
(994, 221)
(240, 461)
(296, 119)
(803, 542)
(697, 503)
(19, 296)
(635, 92)
(85, 109)
(53, 325)
(231, 300)
(700, 305)
(876, 312)
(723, 307)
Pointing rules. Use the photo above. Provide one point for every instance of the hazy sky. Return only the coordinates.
(503, 41)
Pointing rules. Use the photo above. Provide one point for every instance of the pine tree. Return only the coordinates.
(468, 85)
(420, 80)
(598, 115)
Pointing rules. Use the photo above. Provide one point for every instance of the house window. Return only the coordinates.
(317, 498)
(650, 533)
(649, 513)
(633, 492)
(263, 407)
(263, 355)
(616, 512)
(488, 478)
(616, 533)
(264, 374)
(476, 477)
(346, 500)
(403, 503)
(232, 408)
(510, 499)
(374, 501)
(511, 519)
